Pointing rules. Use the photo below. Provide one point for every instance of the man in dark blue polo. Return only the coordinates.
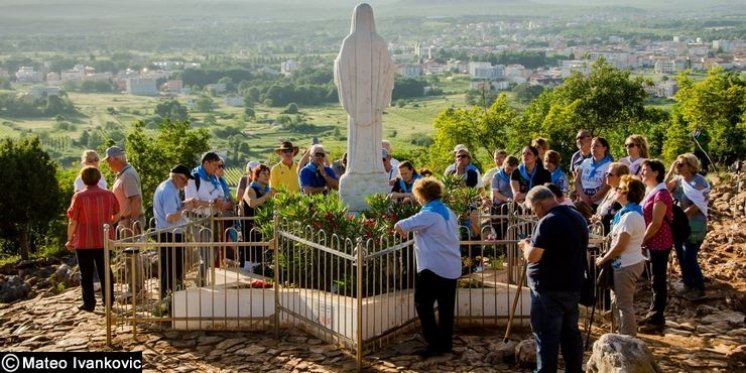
(556, 270)
(316, 177)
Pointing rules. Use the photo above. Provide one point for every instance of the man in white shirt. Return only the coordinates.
(205, 187)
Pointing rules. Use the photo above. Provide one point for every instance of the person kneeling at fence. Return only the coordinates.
(90, 209)
(556, 270)
(438, 257)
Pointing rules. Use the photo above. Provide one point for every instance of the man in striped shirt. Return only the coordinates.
(89, 210)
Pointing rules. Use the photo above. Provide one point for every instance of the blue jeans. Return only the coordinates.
(554, 320)
(691, 273)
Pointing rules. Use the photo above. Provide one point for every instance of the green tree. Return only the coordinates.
(31, 195)
(204, 104)
(153, 154)
(171, 109)
(292, 108)
(715, 106)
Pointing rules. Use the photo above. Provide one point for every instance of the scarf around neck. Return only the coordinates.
(257, 186)
(403, 184)
(630, 207)
(501, 173)
(525, 175)
(556, 176)
(596, 165)
(437, 206)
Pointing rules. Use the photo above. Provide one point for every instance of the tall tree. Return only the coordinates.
(31, 195)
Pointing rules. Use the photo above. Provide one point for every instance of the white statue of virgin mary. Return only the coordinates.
(364, 76)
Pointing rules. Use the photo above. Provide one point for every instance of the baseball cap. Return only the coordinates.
(113, 151)
(184, 170)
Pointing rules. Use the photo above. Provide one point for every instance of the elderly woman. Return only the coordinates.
(609, 205)
(89, 210)
(657, 207)
(89, 158)
(691, 190)
(402, 189)
(637, 152)
(590, 179)
(625, 254)
(463, 168)
(529, 174)
(436, 248)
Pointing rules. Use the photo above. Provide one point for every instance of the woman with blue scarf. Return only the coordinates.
(590, 180)
(257, 194)
(529, 174)
(436, 249)
(403, 185)
(625, 255)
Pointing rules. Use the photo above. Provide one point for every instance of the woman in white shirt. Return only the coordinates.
(625, 255)
(89, 158)
(436, 248)
(590, 181)
(637, 152)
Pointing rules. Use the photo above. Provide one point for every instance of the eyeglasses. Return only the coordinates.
(221, 166)
(629, 145)
(319, 155)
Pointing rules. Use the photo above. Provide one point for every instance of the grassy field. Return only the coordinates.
(329, 122)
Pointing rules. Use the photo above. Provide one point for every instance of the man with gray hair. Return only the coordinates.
(556, 269)
(128, 190)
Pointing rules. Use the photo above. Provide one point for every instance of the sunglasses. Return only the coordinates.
(462, 156)
(629, 145)
(221, 166)
(609, 174)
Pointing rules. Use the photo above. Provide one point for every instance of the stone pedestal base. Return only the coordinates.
(355, 187)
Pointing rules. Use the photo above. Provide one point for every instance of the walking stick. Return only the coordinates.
(590, 325)
(515, 303)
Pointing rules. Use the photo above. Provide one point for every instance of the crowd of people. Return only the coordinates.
(646, 210)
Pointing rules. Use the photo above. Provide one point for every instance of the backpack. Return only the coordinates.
(197, 180)
(680, 225)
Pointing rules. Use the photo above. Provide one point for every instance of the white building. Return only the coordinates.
(568, 67)
(141, 86)
(27, 74)
(664, 67)
(287, 67)
(485, 71)
(410, 70)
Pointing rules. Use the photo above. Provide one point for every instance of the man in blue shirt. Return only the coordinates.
(556, 270)
(316, 177)
(168, 210)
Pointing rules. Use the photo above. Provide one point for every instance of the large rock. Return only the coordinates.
(502, 352)
(13, 288)
(621, 353)
(66, 276)
(525, 353)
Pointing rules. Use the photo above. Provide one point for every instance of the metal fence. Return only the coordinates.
(224, 273)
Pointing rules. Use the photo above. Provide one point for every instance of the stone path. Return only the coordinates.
(700, 338)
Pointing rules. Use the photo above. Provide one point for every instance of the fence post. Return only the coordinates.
(359, 299)
(276, 251)
(107, 284)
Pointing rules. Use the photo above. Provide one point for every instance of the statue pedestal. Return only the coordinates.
(355, 187)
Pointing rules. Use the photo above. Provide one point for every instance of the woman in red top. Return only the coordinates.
(89, 210)
(657, 207)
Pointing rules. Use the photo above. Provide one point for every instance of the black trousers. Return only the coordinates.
(172, 263)
(659, 264)
(87, 260)
(429, 288)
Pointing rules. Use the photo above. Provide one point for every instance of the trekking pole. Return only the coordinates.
(515, 303)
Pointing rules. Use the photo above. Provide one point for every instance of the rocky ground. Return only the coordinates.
(41, 298)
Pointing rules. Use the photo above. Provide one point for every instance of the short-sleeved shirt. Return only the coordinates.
(560, 179)
(578, 158)
(436, 242)
(540, 177)
(91, 209)
(283, 177)
(698, 221)
(207, 192)
(79, 185)
(502, 185)
(127, 185)
(663, 239)
(634, 167)
(166, 201)
(563, 234)
(310, 177)
(633, 224)
(401, 186)
(592, 181)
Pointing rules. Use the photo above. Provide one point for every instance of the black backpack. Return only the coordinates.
(680, 225)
